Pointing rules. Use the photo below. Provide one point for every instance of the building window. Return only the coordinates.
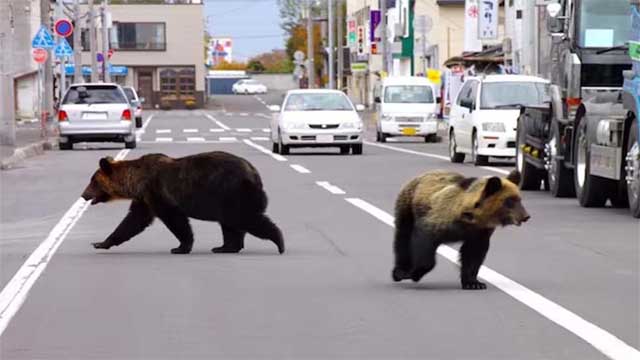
(139, 36)
(177, 83)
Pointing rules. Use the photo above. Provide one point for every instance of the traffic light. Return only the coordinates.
(361, 40)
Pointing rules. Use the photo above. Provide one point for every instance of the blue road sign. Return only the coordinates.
(43, 39)
(63, 48)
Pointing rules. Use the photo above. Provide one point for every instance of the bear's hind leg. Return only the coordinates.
(178, 224)
(423, 250)
(472, 255)
(233, 240)
(262, 227)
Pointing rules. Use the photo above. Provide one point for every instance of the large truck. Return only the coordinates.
(584, 141)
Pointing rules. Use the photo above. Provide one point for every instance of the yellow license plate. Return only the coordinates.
(409, 131)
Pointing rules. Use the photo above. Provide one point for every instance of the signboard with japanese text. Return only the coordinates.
(488, 19)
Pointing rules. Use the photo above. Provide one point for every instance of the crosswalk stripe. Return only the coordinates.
(190, 130)
(216, 130)
(195, 139)
(243, 130)
(163, 131)
(230, 138)
(164, 139)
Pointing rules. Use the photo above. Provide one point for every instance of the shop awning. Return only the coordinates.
(115, 70)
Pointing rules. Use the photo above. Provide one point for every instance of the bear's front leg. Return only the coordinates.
(233, 240)
(424, 243)
(138, 218)
(472, 255)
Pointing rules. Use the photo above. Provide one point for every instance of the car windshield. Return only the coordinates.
(251, 82)
(603, 24)
(130, 95)
(513, 94)
(94, 95)
(317, 102)
(418, 94)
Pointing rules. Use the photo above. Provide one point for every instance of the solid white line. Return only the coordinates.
(192, 142)
(259, 138)
(262, 149)
(198, 139)
(243, 130)
(229, 138)
(299, 168)
(164, 139)
(330, 188)
(163, 131)
(218, 122)
(494, 169)
(143, 129)
(597, 337)
(216, 130)
(15, 292)
(190, 130)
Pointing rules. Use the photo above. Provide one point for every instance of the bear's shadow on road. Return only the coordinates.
(197, 254)
(428, 286)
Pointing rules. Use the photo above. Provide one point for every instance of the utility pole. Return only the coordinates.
(63, 63)
(47, 98)
(7, 115)
(310, 66)
(77, 44)
(105, 41)
(92, 43)
(383, 36)
(340, 24)
(332, 83)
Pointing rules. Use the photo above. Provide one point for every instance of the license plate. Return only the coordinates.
(94, 116)
(409, 131)
(324, 138)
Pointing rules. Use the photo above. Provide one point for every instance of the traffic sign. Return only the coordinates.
(298, 55)
(360, 45)
(63, 27)
(40, 55)
(110, 53)
(43, 39)
(63, 48)
(99, 57)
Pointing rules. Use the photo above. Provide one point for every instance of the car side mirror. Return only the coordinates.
(467, 103)
(274, 108)
(376, 99)
(359, 107)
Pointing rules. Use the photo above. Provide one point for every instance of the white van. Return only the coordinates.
(407, 107)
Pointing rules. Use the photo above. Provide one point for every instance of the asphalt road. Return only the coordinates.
(330, 295)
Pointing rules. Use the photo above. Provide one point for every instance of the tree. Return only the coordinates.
(290, 13)
(224, 65)
(255, 65)
(298, 41)
(275, 61)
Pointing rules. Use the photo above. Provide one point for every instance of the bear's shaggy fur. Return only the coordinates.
(444, 207)
(214, 186)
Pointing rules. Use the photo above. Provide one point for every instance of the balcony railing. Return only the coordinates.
(139, 46)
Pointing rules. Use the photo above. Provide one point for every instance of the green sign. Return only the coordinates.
(352, 38)
(634, 50)
(359, 67)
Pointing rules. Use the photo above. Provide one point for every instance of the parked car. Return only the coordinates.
(248, 86)
(484, 118)
(136, 104)
(407, 107)
(317, 118)
(98, 112)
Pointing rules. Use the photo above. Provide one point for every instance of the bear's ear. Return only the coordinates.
(494, 184)
(105, 165)
(514, 176)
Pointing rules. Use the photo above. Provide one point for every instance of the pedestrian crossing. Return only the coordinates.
(212, 135)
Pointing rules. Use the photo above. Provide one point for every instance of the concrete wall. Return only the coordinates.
(282, 82)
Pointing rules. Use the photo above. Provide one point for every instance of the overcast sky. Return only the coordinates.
(254, 25)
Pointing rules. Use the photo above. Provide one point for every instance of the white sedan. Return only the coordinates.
(248, 86)
(317, 118)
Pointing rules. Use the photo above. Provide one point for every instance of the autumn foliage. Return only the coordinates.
(224, 65)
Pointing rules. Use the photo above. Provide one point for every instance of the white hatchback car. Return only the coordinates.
(317, 118)
(248, 86)
(484, 117)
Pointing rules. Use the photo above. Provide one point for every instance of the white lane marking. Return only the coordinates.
(17, 289)
(263, 115)
(216, 130)
(495, 169)
(164, 139)
(301, 169)
(243, 114)
(199, 139)
(330, 188)
(262, 149)
(259, 138)
(143, 129)
(243, 130)
(163, 131)
(194, 142)
(228, 138)
(225, 127)
(595, 336)
(266, 130)
(189, 130)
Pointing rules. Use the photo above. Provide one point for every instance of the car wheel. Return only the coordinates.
(284, 149)
(356, 149)
(130, 144)
(383, 137)
(344, 149)
(66, 145)
(431, 138)
(275, 148)
(478, 160)
(454, 155)
(138, 122)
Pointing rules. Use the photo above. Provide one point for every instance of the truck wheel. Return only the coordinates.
(633, 170)
(66, 145)
(275, 148)
(478, 160)
(530, 176)
(455, 156)
(560, 178)
(591, 190)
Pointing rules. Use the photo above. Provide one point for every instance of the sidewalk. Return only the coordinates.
(29, 143)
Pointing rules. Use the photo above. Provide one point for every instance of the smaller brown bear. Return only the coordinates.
(442, 207)
(214, 186)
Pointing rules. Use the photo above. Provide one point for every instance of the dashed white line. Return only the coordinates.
(243, 130)
(195, 139)
(164, 139)
(216, 130)
(262, 149)
(228, 138)
(259, 138)
(243, 114)
(597, 337)
(17, 289)
(301, 169)
(225, 127)
(266, 130)
(330, 188)
(163, 131)
(189, 130)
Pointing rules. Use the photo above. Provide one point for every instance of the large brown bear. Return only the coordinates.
(443, 207)
(214, 186)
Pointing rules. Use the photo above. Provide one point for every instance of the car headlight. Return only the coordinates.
(430, 117)
(294, 125)
(385, 117)
(493, 126)
(352, 125)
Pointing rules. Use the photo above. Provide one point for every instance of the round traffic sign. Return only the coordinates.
(110, 53)
(40, 55)
(298, 55)
(99, 57)
(63, 27)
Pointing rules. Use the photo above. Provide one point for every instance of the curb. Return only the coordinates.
(22, 153)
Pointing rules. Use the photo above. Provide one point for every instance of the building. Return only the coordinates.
(157, 48)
